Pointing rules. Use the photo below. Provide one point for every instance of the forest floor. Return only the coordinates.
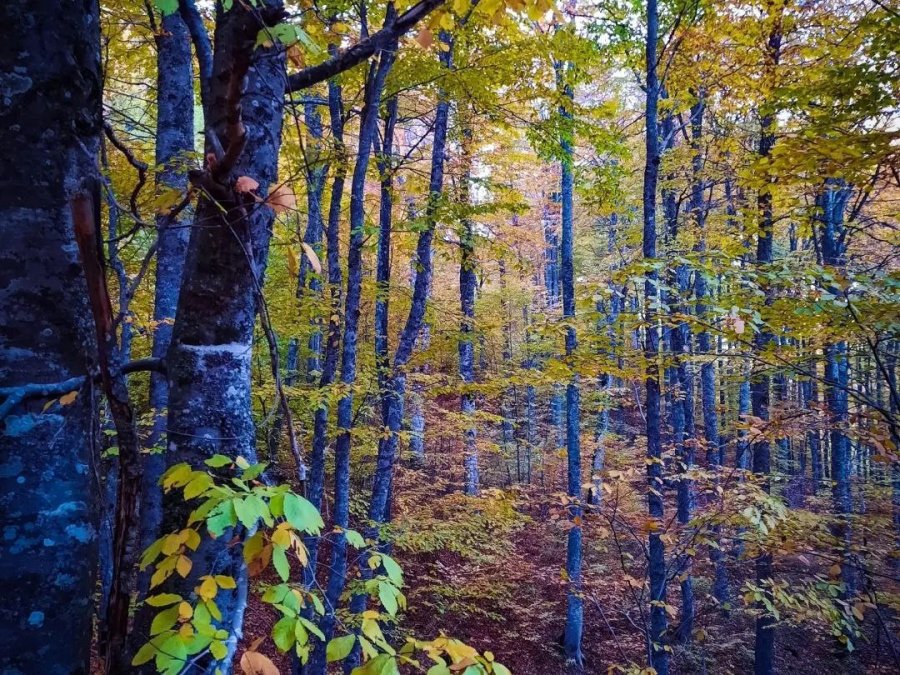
(489, 572)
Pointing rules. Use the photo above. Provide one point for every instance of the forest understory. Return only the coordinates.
(453, 337)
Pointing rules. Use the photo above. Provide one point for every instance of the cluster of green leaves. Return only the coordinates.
(185, 628)
(271, 523)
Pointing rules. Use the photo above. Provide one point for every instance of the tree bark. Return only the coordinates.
(50, 126)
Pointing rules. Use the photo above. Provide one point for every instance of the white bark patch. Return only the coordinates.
(236, 349)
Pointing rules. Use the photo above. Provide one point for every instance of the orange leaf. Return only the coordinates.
(425, 38)
(254, 663)
(245, 184)
(66, 399)
(282, 199)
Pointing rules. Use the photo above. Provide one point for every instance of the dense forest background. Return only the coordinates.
(466, 337)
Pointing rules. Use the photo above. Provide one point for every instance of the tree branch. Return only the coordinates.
(363, 49)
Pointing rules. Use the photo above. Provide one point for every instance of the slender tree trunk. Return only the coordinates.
(830, 206)
(467, 282)
(704, 343)
(339, 564)
(574, 601)
(659, 657)
(396, 388)
(612, 309)
(174, 140)
(50, 126)
(764, 648)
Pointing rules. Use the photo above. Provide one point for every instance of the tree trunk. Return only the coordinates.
(209, 357)
(368, 128)
(467, 282)
(659, 657)
(764, 646)
(50, 125)
(174, 140)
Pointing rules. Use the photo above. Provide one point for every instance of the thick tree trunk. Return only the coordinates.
(209, 357)
(50, 126)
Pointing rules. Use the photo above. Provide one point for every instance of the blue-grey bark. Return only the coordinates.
(50, 126)
(396, 387)
(209, 356)
(658, 656)
(507, 398)
(316, 484)
(316, 172)
(764, 641)
(467, 283)
(368, 128)
(174, 140)
(714, 449)
(385, 222)
(574, 552)
(551, 254)
(743, 451)
(609, 310)
(830, 205)
(810, 393)
(552, 287)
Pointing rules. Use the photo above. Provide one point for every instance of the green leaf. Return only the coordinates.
(253, 471)
(167, 7)
(247, 512)
(313, 628)
(163, 599)
(221, 518)
(500, 669)
(217, 461)
(339, 648)
(164, 620)
(302, 514)
(198, 485)
(283, 633)
(279, 559)
(144, 654)
(219, 650)
(387, 595)
(393, 570)
(383, 664)
(355, 539)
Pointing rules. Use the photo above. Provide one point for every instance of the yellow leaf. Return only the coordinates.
(281, 537)
(207, 588)
(184, 565)
(185, 611)
(225, 581)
